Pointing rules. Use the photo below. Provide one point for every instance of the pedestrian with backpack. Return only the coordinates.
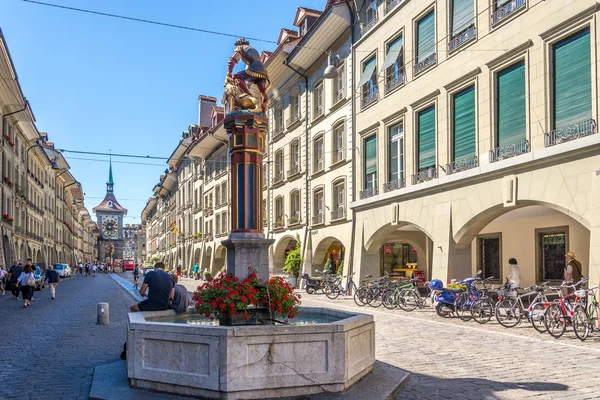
(26, 282)
(52, 278)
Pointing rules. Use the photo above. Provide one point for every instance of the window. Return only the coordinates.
(426, 139)
(218, 196)
(393, 64)
(572, 80)
(396, 157)
(218, 225)
(318, 153)
(368, 81)
(339, 201)
(425, 42)
(279, 166)
(279, 223)
(462, 26)
(265, 172)
(318, 100)
(370, 15)
(224, 193)
(552, 250)
(339, 85)
(510, 106)
(224, 227)
(303, 28)
(278, 120)
(463, 128)
(338, 143)
(294, 157)
(318, 216)
(264, 214)
(503, 8)
(294, 108)
(295, 207)
(370, 162)
(489, 257)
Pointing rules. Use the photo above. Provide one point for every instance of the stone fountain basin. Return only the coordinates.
(249, 362)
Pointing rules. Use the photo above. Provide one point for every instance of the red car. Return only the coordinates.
(129, 265)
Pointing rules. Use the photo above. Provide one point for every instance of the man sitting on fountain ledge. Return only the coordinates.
(162, 290)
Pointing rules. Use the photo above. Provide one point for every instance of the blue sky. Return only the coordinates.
(97, 83)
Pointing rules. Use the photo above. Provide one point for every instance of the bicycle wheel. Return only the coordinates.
(408, 300)
(555, 321)
(443, 310)
(536, 316)
(334, 291)
(360, 297)
(508, 313)
(327, 287)
(581, 324)
(463, 307)
(482, 311)
(390, 299)
(374, 298)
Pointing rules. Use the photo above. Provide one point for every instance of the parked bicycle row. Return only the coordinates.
(544, 306)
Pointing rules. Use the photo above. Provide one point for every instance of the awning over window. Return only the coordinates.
(392, 54)
(368, 70)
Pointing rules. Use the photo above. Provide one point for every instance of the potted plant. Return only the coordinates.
(207, 275)
(293, 262)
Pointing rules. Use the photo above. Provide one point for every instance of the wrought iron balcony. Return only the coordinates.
(393, 185)
(369, 192)
(390, 5)
(462, 164)
(425, 63)
(338, 213)
(464, 36)
(369, 98)
(392, 82)
(425, 175)
(509, 150)
(318, 219)
(571, 132)
(370, 24)
(293, 119)
(295, 170)
(278, 177)
(506, 10)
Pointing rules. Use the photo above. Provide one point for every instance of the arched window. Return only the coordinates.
(338, 199)
(279, 211)
(295, 212)
(338, 142)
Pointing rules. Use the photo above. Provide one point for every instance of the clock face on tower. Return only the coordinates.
(110, 227)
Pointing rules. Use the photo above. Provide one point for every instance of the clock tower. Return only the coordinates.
(109, 215)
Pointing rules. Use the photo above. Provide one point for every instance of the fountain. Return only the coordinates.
(322, 351)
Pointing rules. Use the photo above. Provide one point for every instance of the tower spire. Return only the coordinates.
(110, 183)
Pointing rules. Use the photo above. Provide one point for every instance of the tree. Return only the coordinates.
(294, 260)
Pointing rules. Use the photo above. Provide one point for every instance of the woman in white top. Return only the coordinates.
(2, 279)
(27, 283)
(514, 272)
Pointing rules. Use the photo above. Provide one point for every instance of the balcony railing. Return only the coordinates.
(295, 170)
(338, 213)
(278, 177)
(425, 63)
(318, 219)
(368, 98)
(370, 24)
(390, 5)
(369, 192)
(571, 132)
(293, 119)
(509, 150)
(461, 38)
(393, 185)
(277, 131)
(506, 10)
(295, 220)
(425, 175)
(461, 164)
(393, 82)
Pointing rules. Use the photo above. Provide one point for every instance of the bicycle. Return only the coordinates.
(482, 308)
(560, 312)
(374, 295)
(337, 289)
(392, 297)
(510, 309)
(585, 321)
(410, 298)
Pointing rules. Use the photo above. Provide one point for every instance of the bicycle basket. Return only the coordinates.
(504, 293)
(581, 293)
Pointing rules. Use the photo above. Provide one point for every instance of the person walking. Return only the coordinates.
(181, 301)
(26, 282)
(15, 271)
(136, 276)
(514, 272)
(52, 278)
(93, 271)
(29, 262)
(2, 279)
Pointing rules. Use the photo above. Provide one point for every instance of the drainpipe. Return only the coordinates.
(353, 105)
(307, 186)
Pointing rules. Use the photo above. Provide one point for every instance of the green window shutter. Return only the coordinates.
(464, 123)
(425, 36)
(371, 155)
(426, 129)
(462, 15)
(511, 122)
(572, 80)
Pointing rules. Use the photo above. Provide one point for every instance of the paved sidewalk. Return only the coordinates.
(452, 359)
(49, 351)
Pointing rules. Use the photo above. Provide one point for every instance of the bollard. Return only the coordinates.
(103, 314)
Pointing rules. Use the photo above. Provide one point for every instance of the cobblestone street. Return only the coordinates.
(50, 350)
(452, 359)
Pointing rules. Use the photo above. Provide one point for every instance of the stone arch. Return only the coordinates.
(329, 247)
(206, 259)
(220, 260)
(197, 254)
(380, 235)
(279, 252)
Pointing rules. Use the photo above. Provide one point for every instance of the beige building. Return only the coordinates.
(476, 138)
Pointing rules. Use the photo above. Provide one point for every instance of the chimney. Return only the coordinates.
(205, 105)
